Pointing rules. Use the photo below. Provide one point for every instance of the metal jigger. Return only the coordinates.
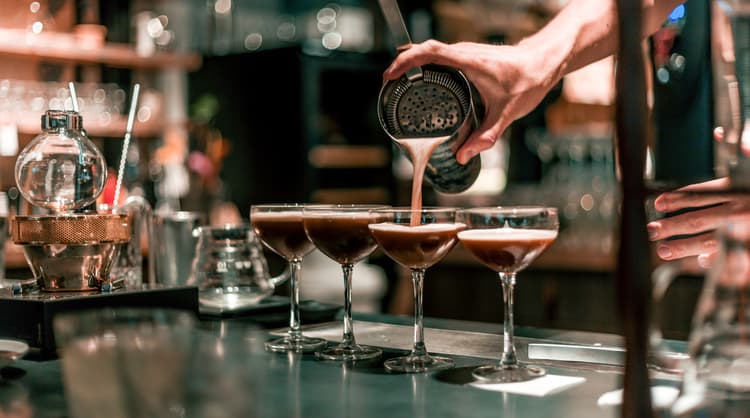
(62, 171)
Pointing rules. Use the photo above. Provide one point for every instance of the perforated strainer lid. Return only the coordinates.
(435, 105)
(70, 229)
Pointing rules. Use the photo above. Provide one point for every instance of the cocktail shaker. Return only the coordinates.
(442, 103)
(431, 102)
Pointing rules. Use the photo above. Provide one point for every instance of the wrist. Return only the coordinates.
(548, 54)
(584, 31)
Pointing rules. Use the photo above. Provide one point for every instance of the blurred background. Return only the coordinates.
(260, 101)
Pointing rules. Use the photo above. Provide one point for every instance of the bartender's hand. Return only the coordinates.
(713, 210)
(502, 75)
(699, 223)
(512, 80)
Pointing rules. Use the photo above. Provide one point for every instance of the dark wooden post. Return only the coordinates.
(633, 259)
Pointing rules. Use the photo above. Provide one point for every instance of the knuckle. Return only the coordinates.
(695, 223)
(433, 46)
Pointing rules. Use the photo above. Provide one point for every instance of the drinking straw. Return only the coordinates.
(126, 143)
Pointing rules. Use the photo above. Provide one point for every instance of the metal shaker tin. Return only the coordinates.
(439, 101)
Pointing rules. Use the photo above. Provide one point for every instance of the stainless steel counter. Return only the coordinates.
(300, 386)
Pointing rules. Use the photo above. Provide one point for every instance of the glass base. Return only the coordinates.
(418, 364)
(299, 344)
(507, 374)
(349, 352)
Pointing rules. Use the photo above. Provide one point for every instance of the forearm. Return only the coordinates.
(585, 31)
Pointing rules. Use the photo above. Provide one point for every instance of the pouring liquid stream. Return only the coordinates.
(419, 149)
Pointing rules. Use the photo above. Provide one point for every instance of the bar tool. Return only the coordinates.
(431, 102)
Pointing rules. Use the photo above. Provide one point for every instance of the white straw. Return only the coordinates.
(126, 144)
(73, 96)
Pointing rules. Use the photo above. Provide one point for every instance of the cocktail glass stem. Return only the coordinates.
(348, 338)
(508, 281)
(417, 277)
(295, 268)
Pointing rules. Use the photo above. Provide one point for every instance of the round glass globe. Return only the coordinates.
(61, 169)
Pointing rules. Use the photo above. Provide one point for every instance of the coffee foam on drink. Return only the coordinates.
(333, 214)
(285, 215)
(403, 228)
(516, 234)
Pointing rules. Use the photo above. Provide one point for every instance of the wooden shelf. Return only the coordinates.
(348, 156)
(114, 129)
(62, 47)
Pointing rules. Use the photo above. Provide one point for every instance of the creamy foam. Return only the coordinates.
(319, 214)
(277, 216)
(503, 234)
(419, 229)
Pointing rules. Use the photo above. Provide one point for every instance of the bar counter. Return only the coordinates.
(293, 385)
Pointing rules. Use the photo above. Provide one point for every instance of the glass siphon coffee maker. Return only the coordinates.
(59, 172)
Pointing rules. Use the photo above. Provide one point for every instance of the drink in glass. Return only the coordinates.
(507, 240)
(341, 233)
(417, 239)
(280, 228)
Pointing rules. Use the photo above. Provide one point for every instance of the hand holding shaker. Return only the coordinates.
(431, 102)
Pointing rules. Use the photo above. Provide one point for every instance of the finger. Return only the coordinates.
(688, 223)
(707, 260)
(703, 244)
(427, 52)
(719, 134)
(481, 139)
(691, 196)
(715, 184)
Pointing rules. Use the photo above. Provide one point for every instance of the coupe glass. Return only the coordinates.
(281, 229)
(417, 239)
(507, 240)
(341, 232)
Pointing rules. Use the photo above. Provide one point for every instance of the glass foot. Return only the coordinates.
(417, 364)
(299, 344)
(349, 352)
(507, 374)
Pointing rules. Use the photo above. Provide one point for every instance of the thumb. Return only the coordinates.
(481, 139)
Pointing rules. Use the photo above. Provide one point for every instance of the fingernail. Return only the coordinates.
(704, 261)
(664, 251)
(659, 204)
(653, 230)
